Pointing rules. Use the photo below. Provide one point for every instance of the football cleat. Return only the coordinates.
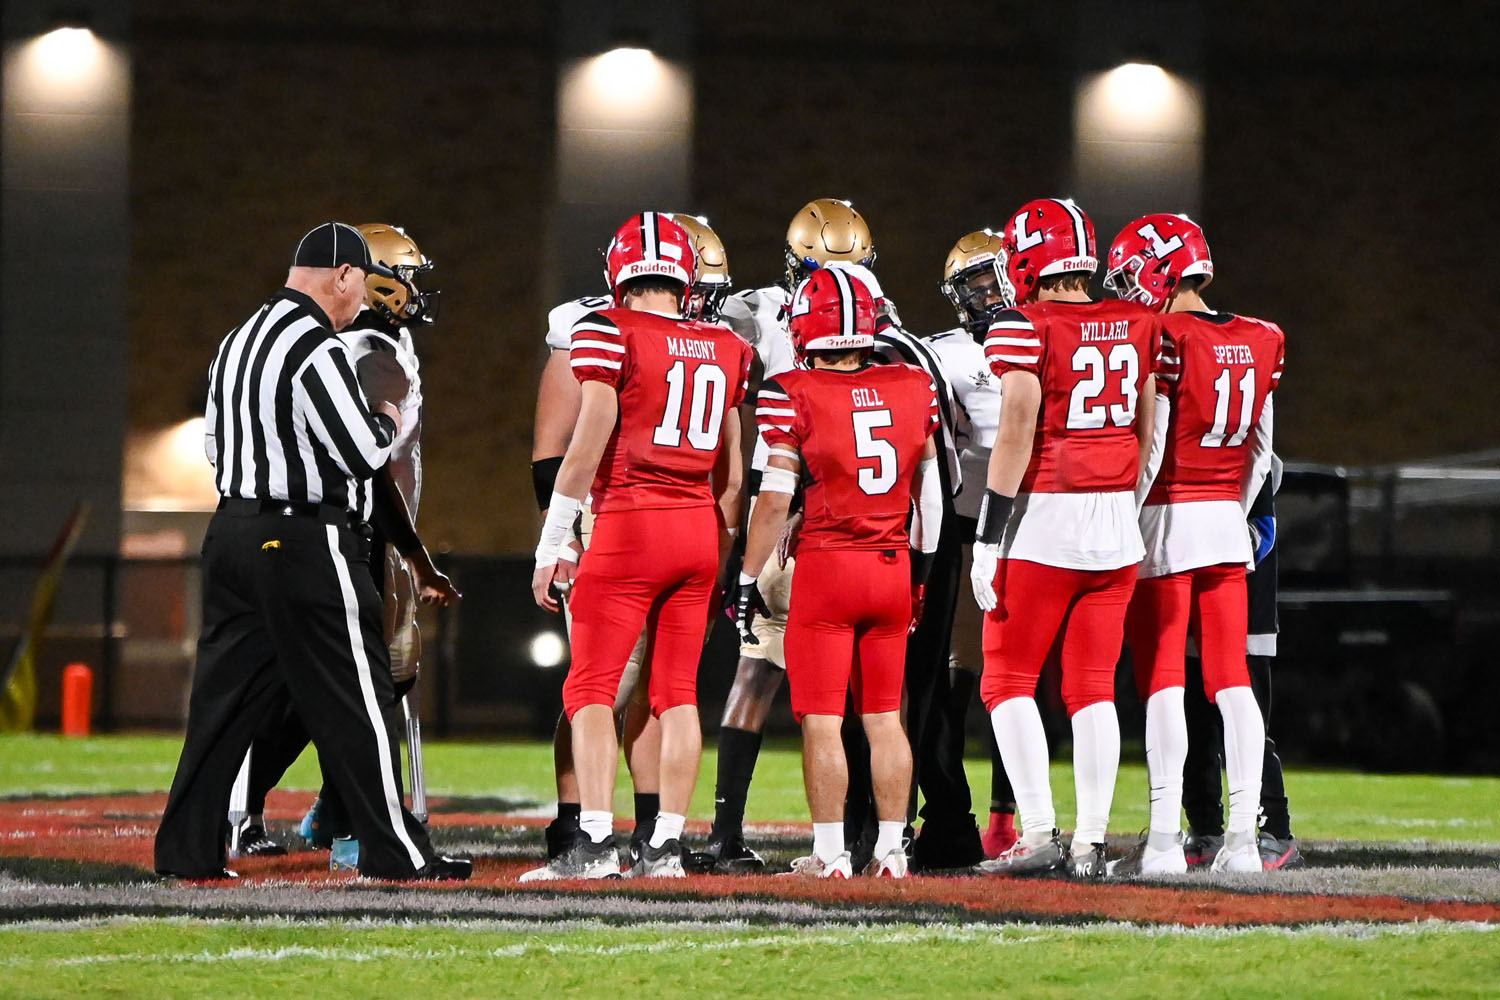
(1001, 835)
(1091, 865)
(658, 862)
(561, 834)
(1144, 861)
(1027, 859)
(893, 865)
(730, 855)
(313, 830)
(1201, 848)
(256, 843)
(584, 860)
(813, 866)
(1240, 853)
(343, 855)
(1277, 853)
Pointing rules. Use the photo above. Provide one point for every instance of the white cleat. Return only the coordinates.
(1145, 861)
(1240, 853)
(584, 860)
(893, 865)
(813, 866)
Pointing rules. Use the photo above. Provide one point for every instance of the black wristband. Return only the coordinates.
(994, 511)
(387, 432)
(543, 477)
(921, 566)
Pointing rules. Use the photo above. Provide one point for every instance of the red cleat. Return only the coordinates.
(1000, 836)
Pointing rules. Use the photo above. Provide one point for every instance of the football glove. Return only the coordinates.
(747, 604)
(982, 574)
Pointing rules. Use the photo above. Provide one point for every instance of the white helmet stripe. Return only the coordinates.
(1080, 231)
(648, 236)
(846, 302)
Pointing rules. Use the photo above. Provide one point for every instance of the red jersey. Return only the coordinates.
(860, 435)
(677, 380)
(1217, 371)
(1092, 359)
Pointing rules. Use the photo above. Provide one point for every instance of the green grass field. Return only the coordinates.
(192, 957)
(1326, 804)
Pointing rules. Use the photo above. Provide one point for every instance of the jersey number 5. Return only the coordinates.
(710, 388)
(1086, 414)
(879, 480)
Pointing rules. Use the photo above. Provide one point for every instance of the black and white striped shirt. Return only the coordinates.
(894, 344)
(286, 419)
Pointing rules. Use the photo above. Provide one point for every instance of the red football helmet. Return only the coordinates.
(1154, 253)
(831, 311)
(649, 244)
(1047, 236)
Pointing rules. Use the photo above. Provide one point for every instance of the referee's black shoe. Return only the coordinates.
(256, 843)
(445, 869)
(726, 854)
(222, 875)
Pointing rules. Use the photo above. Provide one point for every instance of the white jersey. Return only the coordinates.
(366, 335)
(561, 319)
(977, 391)
(759, 315)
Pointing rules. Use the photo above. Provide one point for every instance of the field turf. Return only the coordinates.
(1402, 898)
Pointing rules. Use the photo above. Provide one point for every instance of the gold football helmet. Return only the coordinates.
(399, 301)
(824, 230)
(711, 282)
(975, 281)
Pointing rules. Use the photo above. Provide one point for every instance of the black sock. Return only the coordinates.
(647, 805)
(568, 814)
(738, 751)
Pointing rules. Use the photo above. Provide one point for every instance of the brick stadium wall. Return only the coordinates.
(1343, 191)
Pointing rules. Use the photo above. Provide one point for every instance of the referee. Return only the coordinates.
(289, 607)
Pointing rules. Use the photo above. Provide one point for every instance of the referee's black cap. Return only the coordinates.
(335, 243)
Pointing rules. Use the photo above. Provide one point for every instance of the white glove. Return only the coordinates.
(982, 575)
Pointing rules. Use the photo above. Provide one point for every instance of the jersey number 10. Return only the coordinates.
(706, 417)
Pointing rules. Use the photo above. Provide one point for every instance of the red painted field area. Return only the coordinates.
(117, 831)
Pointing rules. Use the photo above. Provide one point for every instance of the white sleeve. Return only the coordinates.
(927, 519)
(1162, 414)
(211, 419)
(561, 319)
(1260, 458)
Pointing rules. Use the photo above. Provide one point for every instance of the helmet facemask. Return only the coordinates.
(979, 292)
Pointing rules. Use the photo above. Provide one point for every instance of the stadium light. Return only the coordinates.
(67, 56)
(548, 650)
(627, 87)
(1139, 101)
(167, 470)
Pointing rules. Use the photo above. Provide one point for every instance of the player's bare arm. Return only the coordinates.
(597, 414)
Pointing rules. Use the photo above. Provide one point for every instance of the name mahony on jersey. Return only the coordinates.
(682, 348)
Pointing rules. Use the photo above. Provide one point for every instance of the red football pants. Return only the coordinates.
(847, 626)
(1081, 610)
(1209, 600)
(643, 568)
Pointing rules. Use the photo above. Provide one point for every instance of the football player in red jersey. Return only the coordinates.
(1213, 428)
(863, 435)
(557, 402)
(1057, 545)
(657, 448)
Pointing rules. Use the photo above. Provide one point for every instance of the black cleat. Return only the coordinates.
(256, 843)
(726, 854)
(1091, 866)
(222, 875)
(947, 844)
(1025, 859)
(445, 869)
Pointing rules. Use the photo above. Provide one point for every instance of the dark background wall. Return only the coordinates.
(1349, 152)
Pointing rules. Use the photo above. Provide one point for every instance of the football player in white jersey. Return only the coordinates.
(558, 400)
(824, 230)
(974, 280)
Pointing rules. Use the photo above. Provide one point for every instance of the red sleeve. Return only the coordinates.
(776, 415)
(1280, 358)
(1013, 344)
(1168, 364)
(597, 350)
(934, 418)
(742, 387)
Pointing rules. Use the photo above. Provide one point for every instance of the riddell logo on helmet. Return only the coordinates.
(1077, 264)
(644, 267)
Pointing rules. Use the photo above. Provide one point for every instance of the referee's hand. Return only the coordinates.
(433, 585)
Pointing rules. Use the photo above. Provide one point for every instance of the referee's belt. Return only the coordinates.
(323, 512)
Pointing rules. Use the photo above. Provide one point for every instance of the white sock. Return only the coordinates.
(668, 827)
(1166, 753)
(1023, 748)
(1244, 755)
(889, 836)
(828, 840)
(1096, 762)
(597, 824)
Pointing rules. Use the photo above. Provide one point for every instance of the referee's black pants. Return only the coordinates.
(289, 609)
